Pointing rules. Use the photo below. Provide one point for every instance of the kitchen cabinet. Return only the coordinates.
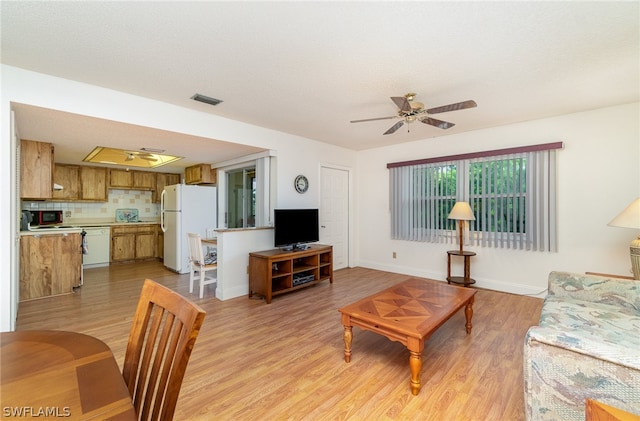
(162, 180)
(120, 179)
(134, 242)
(68, 176)
(50, 264)
(137, 180)
(93, 184)
(144, 180)
(80, 183)
(200, 174)
(36, 170)
(160, 247)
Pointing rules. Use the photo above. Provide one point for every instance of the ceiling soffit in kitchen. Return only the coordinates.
(74, 136)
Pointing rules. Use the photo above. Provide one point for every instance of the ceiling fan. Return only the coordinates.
(410, 111)
(131, 155)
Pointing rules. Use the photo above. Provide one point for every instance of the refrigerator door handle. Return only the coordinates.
(162, 226)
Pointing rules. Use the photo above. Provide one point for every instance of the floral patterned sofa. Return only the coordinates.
(587, 345)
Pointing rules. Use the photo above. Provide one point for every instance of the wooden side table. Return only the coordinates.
(465, 280)
(597, 411)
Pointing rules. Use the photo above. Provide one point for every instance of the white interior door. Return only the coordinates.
(334, 213)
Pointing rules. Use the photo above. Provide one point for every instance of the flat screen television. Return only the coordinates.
(295, 227)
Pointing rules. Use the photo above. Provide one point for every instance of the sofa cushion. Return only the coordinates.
(605, 331)
(596, 289)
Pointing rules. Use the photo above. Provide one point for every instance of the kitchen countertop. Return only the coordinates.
(76, 227)
(51, 231)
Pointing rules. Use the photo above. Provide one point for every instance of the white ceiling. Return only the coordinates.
(308, 68)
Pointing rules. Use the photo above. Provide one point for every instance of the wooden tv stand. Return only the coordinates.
(275, 272)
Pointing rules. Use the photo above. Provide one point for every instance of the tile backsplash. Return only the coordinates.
(103, 211)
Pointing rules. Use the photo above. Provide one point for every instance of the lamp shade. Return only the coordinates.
(628, 218)
(462, 212)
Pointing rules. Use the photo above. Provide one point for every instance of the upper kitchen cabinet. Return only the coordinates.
(120, 179)
(138, 180)
(36, 170)
(93, 184)
(68, 176)
(200, 174)
(80, 183)
(162, 180)
(143, 180)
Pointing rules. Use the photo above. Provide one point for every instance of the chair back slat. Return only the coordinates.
(163, 332)
(153, 385)
(195, 249)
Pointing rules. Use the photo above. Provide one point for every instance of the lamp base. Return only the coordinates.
(634, 248)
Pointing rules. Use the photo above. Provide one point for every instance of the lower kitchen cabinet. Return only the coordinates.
(135, 242)
(50, 264)
(160, 249)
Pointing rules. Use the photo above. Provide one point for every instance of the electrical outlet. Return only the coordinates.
(67, 214)
(394, 254)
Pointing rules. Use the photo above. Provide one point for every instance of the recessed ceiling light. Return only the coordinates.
(206, 99)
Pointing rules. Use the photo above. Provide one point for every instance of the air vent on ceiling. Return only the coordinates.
(206, 99)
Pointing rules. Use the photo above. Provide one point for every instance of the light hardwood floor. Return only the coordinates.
(285, 361)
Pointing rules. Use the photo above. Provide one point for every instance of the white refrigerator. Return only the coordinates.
(183, 209)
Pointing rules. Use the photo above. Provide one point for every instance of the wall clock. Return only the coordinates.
(301, 184)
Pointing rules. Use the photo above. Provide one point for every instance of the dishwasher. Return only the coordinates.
(96, 250)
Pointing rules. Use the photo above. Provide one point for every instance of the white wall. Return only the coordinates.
(234, 247)
(598, 176)
(295, 154)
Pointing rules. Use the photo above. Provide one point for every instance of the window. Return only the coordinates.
(511, 192)
(241, 198)
(245, 194)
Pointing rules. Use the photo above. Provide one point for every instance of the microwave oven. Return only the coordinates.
(46, 217)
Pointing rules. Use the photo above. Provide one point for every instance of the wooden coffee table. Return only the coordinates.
(409, 313)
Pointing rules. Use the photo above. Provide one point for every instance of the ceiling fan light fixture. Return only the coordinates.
(416, 106)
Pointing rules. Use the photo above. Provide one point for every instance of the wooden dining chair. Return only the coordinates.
(164, 330)
(198, 266)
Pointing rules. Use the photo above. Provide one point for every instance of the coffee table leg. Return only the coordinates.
(468, 312)
(415, 365)
(348, 337)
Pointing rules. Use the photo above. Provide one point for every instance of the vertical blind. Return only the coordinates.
(512, 193)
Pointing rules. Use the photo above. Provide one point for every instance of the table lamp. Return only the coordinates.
(630, 218)
(461, 212)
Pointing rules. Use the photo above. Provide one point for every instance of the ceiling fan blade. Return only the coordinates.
(453, 107)
(402, 103)
(437, 123)
(373, 119)
(395, 127)
(148, 158)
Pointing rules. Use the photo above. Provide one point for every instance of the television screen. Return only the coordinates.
(295, 226)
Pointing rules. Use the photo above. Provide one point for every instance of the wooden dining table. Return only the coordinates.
(49, 373)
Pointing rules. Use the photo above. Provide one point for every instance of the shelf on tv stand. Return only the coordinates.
(296, 247)
(271, 272)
